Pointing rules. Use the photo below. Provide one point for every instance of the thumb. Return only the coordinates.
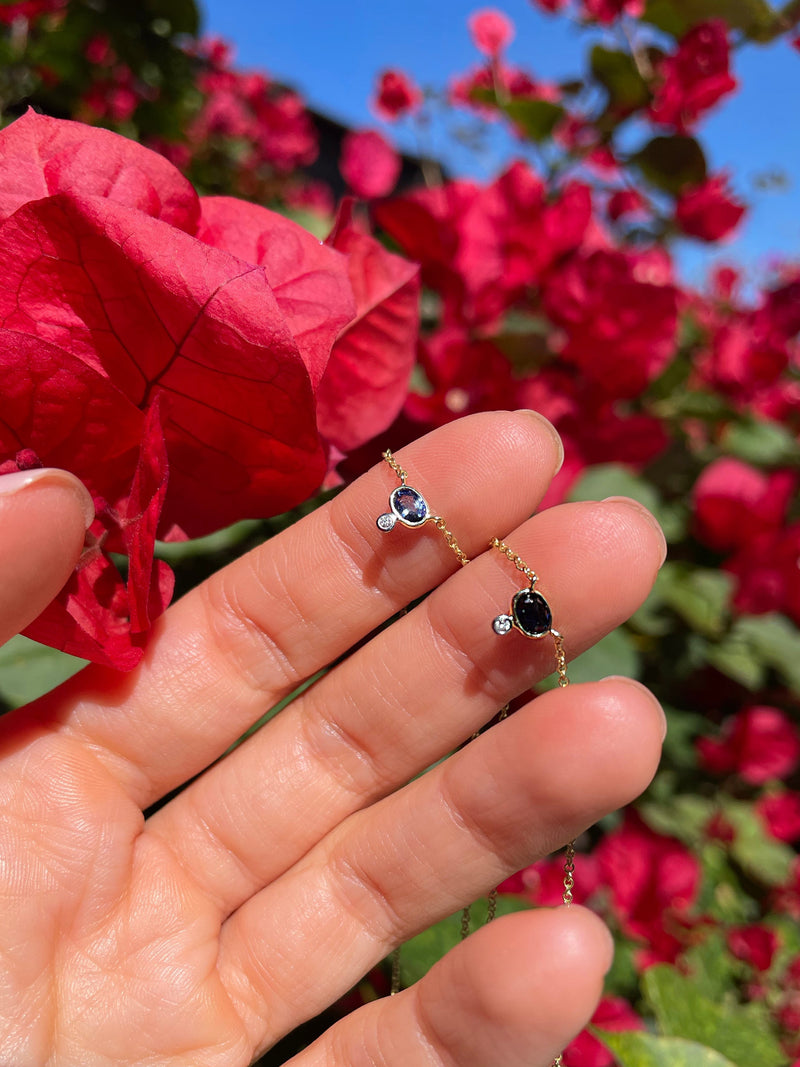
(44, 515)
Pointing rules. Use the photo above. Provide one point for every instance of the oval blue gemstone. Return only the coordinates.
(531, 613)
(408, 505)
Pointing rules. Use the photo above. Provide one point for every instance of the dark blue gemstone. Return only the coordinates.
(531, 613)
(408, 505)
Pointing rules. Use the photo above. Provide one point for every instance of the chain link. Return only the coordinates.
(517, 560)
(452, 544)
(569, 873)
(398, 470)
(561, 659)
(394, 988)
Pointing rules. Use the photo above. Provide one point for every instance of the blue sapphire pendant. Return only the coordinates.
(408, 506)
(530, 614)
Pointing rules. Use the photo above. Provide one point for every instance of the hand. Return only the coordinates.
(273, 881)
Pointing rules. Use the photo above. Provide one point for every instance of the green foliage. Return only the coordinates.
(634, 1049)
(29, 670)
(766, 444)
(421, 952)
(740, 1032)
(536, 118)
(672, 163)
(618, 74)
(754, 17)
(762, 858)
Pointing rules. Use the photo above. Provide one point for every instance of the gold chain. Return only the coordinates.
(517, 560)
(398, 470)
(569, 873)
(452, 544)
(561, 659)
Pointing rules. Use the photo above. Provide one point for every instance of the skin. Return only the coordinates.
(269, 885)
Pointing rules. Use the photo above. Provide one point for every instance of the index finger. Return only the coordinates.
(236, 645)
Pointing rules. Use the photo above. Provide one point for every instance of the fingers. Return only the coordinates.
(44, 515)
(261, 626)
(515, 993)
(406, 699)
(520, 790)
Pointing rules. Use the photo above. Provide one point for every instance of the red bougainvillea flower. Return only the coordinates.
(29, 10)
(543, 882)
(755, 944)
(479, 247)
(619, 328)
(625, 202)
(369, 164)
(608, 11)
(653, 881)
(550, 5)
(781, 814)
(767, 573)
(613, 1014)
(695, 77)
(491, 31)
(758, 744)
(173, 353)
(465, 375)
(744, 357)
(271, 121)
(708, 211)
(396, 95)
(734, 503)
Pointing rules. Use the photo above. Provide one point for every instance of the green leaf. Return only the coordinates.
(684, 817)
(536, 118)
(679, 744)
(721, 895)
(758, 441)
(29, 670)
(776, 640)
(763, 858)
(711, 966)
(174, 552)
(736, 658)
(618, 74)
(316, 224)
(700, 596)
(754, 17)
(740, 1032)
(615, 479)
(672, 163)
(418, 955)
(635, 1049)
(182, 15)
(616, 653)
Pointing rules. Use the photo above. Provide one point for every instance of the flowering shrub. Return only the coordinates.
(551, 286)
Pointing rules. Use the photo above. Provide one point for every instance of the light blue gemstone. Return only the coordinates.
(409, 506)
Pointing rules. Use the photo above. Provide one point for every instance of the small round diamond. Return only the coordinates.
(502, 624)
(386, 522)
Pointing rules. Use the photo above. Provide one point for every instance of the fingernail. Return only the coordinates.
(643, 689)
(551, 430)
(17, 481)
(642, 510)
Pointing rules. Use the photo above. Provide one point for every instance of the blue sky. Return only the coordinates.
(331, 53)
